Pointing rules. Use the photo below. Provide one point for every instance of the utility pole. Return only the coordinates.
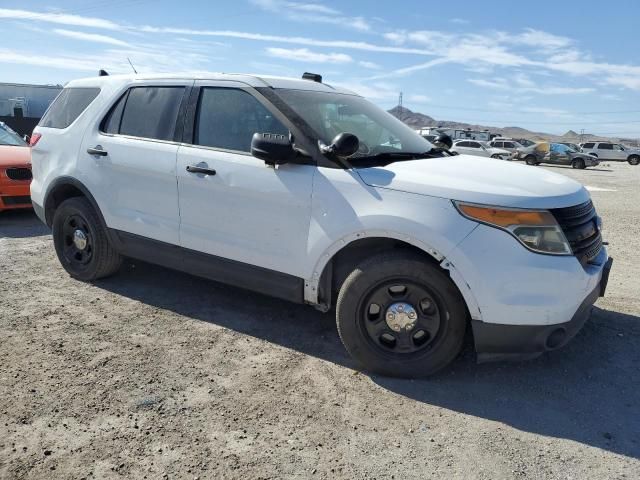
(582, 135)
(400, 102)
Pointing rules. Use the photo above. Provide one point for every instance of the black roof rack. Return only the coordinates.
(314, 77)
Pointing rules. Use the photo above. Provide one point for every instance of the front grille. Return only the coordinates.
(580, 226)
(19, 200)
(19, 173)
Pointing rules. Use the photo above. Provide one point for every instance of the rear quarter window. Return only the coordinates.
(588, 145)
(68, 106)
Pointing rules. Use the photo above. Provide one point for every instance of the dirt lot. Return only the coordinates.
(156, 374)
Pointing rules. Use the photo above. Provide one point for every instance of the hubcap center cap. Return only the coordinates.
(80, 239)
(401, 316)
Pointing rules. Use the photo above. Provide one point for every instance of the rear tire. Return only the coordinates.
(401, 285)
(497, 157)
(530, 160)
(81, 241)
(634, 160)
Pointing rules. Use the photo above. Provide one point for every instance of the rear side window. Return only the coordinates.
(588, 145)
(68, 106)
(509, 145)
(498, 144)
(474, 144)
(147, 112)
(227, 118)
(605, 146)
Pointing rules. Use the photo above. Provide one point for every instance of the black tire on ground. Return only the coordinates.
(497, 157)
(578, 163)
(634, 160)
(97, 259)
(435, 339)
(530, 160)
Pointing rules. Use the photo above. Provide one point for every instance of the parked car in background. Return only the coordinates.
(525, 142)
(473, 147)
(506, 144)
(572, 146)
(612, 152)
(532, 154)
(15, 170)
(560, 154)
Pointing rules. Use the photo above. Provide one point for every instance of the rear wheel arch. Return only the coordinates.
(62, 189)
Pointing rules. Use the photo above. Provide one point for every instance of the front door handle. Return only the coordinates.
(195, 169)
(97, 150)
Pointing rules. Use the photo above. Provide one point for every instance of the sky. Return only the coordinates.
(548, 66)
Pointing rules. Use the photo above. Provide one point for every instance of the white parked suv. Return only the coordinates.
(474, 147)
(310, 193)
(612, 152)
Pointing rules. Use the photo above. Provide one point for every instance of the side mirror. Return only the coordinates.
(343, 145)
(273, 148)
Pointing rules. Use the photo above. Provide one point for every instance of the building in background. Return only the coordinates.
(22, 106)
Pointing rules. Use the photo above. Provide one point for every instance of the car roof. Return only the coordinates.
(248, 79)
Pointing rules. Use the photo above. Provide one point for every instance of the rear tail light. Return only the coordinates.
(34, 139)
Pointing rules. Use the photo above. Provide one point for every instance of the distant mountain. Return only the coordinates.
(412, 119)
(420, 120)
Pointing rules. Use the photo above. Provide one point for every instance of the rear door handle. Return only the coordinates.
(97, 150)
(195, 169)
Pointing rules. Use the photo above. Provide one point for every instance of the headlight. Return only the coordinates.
(537, 230)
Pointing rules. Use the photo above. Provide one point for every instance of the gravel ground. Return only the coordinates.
(156, 374)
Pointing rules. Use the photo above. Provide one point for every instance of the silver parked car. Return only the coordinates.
(474, 147)
(612, 151)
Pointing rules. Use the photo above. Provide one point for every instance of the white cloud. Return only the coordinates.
(59, 18)
(90, 37)
(306, 55)
(313, 13)
(460, 21)
(525, 86)
(369, 65)
(49, 61)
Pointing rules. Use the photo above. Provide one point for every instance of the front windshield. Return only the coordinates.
(9, 137)
(329, 114)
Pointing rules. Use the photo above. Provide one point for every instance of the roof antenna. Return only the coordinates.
(134, 68)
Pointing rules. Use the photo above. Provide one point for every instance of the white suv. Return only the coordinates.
(612, 151)
(307, 192)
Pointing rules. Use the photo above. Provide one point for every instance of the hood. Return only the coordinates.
(478, 180)
(11, 156)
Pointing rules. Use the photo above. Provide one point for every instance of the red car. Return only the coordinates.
(15, 170)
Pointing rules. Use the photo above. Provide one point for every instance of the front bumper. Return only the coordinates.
(14, 195)
(496, 342)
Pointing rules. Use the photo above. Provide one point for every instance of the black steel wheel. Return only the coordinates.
(78, 241)
(400, 315)
(634, 160)
(81, 241)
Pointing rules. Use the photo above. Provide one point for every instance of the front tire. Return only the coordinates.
(530, 160)
(579, 163)
(634, 160)
(81, 241)
(398, 315)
